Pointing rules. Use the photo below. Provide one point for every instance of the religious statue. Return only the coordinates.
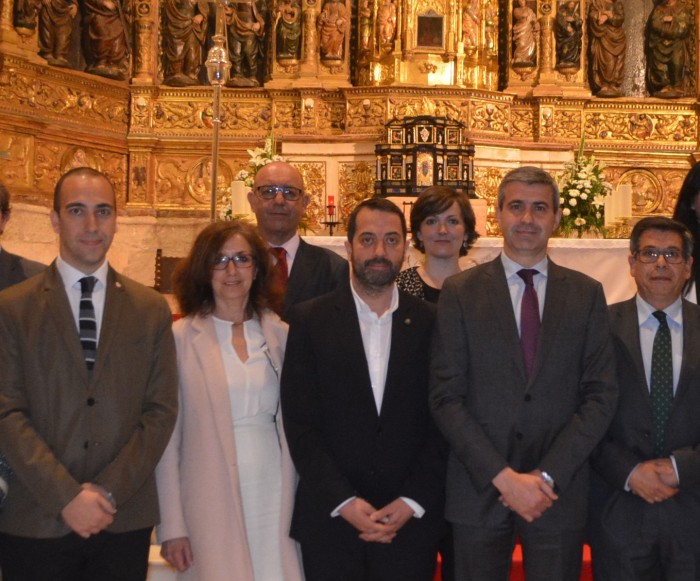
(333, 23)
(56, 30)
(105, 43)
(490, 23)
(24, 14)
(246, 25)
(288, 30)
(668, 50)
(608, 43)
(183, 41)
(365, 25)
(386, 23)
(470, 24)
(525, 28)
(568, 31)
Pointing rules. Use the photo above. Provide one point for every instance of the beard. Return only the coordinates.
(376, 279)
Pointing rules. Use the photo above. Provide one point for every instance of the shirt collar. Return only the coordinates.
(363, 308)
(674, 311)
(511, 267)
(71, 275)
(291, 246)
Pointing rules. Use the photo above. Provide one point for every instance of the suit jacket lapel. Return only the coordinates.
(300, 271)
(111, 321)
(352, 348)
(691, 337)
(206, 347)
(402, 339)
(626, 327)
(502, 309)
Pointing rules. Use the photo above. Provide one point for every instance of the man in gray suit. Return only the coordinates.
(645, 500)
(88, 399)
(279, 201)
(523, 388)
(13, 268)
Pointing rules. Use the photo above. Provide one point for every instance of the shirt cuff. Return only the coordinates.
(627, 482)
(418, 510)
(336, 511)
(675, 469)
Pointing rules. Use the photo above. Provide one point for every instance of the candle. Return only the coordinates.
(331, 207)
(625, 207)
(239, 201)
(610, 209)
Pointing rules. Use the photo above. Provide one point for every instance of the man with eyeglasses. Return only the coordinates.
(279, 202)
(645, 495)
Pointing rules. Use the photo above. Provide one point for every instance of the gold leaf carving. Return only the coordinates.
(314, 174)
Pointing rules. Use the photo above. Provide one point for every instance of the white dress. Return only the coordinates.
(254, 396)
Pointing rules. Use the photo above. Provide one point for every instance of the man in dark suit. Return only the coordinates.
(354, 399)
(523, 388)
(13, 268)
(645, 501)
(279, 202)
(88, 399)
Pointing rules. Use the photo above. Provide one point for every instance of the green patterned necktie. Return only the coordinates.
(661, 383)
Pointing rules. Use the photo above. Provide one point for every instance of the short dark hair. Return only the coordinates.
(4, 201)
(78, 171)
(530, 175)
(378, 205)
(192, 276)
(436, 200)
(662, 224)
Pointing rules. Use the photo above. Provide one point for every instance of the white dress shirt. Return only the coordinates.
(291, 246)
(516, 285)
(71, 281)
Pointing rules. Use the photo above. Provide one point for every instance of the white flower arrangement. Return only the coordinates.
(259, 158)
(583, 190)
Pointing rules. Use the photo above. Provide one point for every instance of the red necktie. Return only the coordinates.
(529, 320)
(280, 278)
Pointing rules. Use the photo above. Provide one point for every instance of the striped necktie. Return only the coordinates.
(87, 323)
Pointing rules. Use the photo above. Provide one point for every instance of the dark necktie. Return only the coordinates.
(280, 278)
(661, 382)
(87, 324)
(529, 320)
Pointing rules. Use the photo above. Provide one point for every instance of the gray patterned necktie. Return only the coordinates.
(87, 323)
(661, 383)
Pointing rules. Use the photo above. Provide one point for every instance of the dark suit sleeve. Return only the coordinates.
(137, 459)
(598, 398)
(449, 384)
(303, 416)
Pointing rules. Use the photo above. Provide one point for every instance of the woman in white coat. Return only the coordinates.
(226, 481)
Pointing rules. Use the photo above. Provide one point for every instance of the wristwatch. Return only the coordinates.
(548, 480)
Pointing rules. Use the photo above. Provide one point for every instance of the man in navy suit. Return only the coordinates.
(279, 201)
(523, 388)
(355, 404)
(645, 501)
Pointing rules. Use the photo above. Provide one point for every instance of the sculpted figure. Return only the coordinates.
(386, 19)
(525, 27)
(608, 42)
(490, 23)
(105, 45)
(470, 24)
(289, 30)
(568, 32)
(186, 32)
(24, 14)
(246, 25)
(332, 25)
(55, 30)
(365, 25)
(668, 49)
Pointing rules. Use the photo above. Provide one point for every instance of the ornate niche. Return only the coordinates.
(425, 151)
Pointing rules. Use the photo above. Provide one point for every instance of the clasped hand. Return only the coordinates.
(377, 526)
(525, 494)
(654, 480)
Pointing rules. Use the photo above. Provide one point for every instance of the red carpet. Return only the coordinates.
(517, 573)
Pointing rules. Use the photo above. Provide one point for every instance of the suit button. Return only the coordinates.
(519, 435)
(86, 445)
(528, 397)
(91, 401)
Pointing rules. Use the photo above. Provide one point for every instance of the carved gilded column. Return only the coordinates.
(546, 82)
(145, 17)
(309, 57)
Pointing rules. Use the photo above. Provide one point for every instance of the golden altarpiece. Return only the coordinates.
(521, 77)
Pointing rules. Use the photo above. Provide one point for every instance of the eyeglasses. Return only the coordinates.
(240, 260)
(290, 193)
(651, 255)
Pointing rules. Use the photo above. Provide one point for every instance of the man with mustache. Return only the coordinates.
(355, 405)
(645, 500)
(523, 388)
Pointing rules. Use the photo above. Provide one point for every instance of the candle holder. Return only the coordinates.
(331, 218)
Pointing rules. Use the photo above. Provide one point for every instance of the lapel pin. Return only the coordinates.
(407, 321)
